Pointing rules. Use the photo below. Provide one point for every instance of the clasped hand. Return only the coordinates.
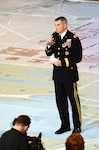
(57, 63)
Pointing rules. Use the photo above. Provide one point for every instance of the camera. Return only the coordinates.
(35, 143)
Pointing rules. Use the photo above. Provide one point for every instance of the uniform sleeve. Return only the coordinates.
(49, 50)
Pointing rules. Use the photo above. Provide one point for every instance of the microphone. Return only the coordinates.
(54, 36)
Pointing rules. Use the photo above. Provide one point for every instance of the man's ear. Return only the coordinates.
(65, 25)
(26, 127)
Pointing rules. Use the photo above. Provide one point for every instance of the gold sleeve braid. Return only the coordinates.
(48, 50)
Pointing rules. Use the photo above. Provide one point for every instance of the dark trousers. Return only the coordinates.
(63, 92)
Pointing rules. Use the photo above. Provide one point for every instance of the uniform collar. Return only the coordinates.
(63, 34)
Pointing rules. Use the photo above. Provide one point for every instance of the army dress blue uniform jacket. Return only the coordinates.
(69, 51)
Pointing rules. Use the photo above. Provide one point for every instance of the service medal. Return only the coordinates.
(66, 53)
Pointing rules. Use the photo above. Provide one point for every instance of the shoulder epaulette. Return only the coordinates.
(75, 36)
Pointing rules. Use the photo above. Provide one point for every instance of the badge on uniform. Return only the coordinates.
(66, 53)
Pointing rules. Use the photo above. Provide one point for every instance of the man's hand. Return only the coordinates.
(51, 41)
(55, 61)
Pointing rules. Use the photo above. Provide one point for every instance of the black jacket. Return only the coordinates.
(69, 51)
(13, 140)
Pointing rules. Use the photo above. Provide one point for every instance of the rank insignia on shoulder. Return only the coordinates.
(75, 36)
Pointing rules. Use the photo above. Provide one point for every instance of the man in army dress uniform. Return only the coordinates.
(65, 50)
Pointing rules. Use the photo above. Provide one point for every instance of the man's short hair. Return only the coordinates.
(74, 142)
(63, 19)
(23, 120)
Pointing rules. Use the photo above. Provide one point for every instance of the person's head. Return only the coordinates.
(21, 123)
(61, 24)
(74, 142)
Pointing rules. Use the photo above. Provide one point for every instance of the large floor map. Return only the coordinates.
(26, 85)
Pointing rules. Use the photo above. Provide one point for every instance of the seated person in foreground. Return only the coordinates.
(15, 138)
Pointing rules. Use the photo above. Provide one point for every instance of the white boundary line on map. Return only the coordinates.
(16, 96)
(20, 35)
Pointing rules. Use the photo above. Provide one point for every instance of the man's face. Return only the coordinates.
(60, 26)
